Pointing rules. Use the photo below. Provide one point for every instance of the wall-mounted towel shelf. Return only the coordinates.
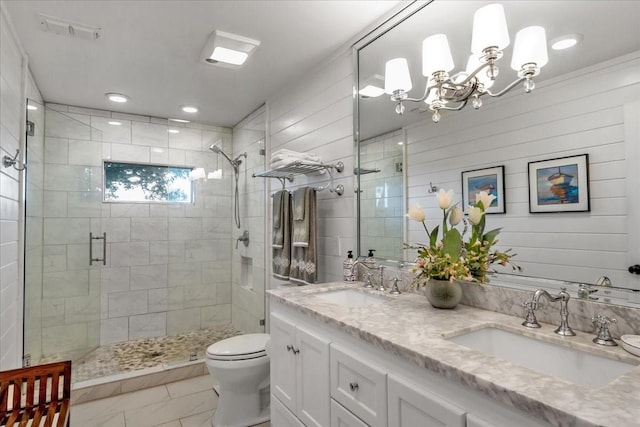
(287, 172)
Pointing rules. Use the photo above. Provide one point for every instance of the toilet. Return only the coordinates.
(240, 364)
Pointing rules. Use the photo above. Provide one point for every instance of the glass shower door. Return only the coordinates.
(63, 207)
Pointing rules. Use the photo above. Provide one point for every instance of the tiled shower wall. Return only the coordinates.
(249, 262)
(167, 265)
(381, 195)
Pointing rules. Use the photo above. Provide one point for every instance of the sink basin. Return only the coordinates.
(350, 298)
(572, 365)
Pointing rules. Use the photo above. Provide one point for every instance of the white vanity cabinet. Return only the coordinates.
(359, 385)
(340, 417)
(411, 405)
(322, 376)
(299, 371)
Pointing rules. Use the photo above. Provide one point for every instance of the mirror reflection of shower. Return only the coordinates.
(235, 163)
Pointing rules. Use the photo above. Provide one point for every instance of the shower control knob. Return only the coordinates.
(634, 269)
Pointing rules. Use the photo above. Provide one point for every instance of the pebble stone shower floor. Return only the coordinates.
(129, 356)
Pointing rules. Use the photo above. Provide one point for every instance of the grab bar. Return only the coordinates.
(104, 249)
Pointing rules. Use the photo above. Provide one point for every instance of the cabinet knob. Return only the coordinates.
(353, 386)
(635, 269)
(296, 350)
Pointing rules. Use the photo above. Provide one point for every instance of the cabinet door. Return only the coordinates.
(359, 386)
(283, 360)
(281, 416)
(313, 378)
(474, 421)
(411, 407)
(340, 417)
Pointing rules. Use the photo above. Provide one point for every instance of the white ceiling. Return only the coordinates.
(150, 51)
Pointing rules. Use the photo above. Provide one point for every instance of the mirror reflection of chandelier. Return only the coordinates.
(490, 37)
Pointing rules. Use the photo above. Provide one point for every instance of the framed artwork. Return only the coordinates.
(559, 185)
(490, 180)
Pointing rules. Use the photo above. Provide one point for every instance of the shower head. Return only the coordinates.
(216, 149)
(235, 163)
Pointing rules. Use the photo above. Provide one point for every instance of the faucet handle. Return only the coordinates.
(602, 328)
(530, 320)
(394, 290)
(585, 291)
(367, 283)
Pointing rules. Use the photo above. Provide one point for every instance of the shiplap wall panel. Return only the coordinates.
(559, 119)
(316, 115)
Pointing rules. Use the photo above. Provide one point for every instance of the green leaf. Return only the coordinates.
(434, 236)
(490, 236)
(453, 244)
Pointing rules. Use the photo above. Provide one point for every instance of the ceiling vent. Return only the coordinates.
(228, 50)
(67, 28)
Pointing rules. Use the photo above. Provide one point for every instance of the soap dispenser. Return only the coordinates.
(371, 259)
(347, 268)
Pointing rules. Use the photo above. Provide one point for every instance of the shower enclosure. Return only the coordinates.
(159, 268)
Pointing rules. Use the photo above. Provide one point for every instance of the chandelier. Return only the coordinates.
(452, 92)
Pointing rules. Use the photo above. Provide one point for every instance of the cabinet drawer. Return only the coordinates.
(340, 417)
(281, 416)
(359, 386)
(411, 406)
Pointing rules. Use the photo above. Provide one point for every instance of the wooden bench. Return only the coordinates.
(36, 396)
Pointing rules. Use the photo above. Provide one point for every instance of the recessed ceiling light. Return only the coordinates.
(179, 121)
(117, 97)
(189, 109)
(31, 107)
(566, 41)
(174, 131)
(114, 123)
(400, 143)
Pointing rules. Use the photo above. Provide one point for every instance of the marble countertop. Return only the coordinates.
(394, 327)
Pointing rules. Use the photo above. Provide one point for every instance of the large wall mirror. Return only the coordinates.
(586, 101)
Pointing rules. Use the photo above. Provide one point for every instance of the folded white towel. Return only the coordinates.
(284, 154)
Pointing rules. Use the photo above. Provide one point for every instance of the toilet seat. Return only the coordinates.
(241, 347)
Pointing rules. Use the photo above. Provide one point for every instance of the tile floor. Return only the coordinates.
(186, 403)
(133, 355)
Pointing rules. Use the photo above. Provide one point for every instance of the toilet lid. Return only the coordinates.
(241, 347)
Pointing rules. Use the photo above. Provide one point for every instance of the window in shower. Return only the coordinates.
(135, 182)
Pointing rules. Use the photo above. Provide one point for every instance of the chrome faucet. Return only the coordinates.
(585, 291)
(368, 283)
(602, 328)
(530, 320)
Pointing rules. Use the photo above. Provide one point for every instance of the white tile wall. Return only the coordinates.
(156, 253)
(247, 306)
(316, 115)
(381, 197)
(14, 88)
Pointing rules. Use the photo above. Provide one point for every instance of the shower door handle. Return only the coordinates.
(104, 249)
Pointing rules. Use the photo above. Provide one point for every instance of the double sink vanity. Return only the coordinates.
(343, 355)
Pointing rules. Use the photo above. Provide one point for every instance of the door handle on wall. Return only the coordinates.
(104, 249)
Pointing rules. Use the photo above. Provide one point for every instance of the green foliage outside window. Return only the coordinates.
(131, 182)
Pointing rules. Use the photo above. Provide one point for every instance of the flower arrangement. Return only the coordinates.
(441, 260)
(451, 258)
(479, 254)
